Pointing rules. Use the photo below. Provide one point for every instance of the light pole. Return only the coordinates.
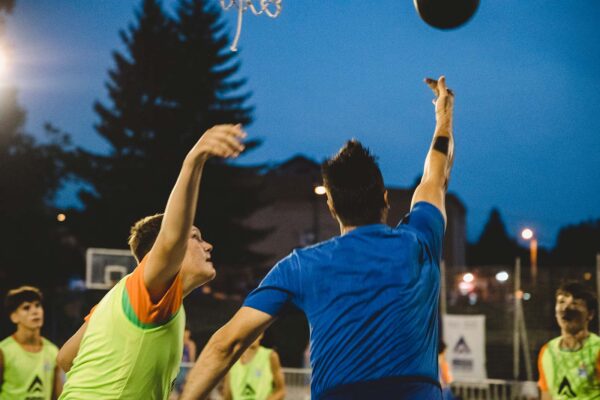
(318, 190)
(529, 235)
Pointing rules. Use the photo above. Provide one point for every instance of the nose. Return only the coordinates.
(207, 247)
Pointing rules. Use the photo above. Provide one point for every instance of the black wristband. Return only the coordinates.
(441, 144)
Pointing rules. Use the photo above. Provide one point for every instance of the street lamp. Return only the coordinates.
(3, 62)
(529, 234)
(318, 190)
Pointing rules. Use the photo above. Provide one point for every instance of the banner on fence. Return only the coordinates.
(464, 336)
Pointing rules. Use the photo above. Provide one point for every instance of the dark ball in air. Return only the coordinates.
(446, 14)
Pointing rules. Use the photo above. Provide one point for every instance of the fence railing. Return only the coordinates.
(297, 382)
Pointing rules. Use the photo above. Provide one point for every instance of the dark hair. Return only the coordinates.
(143, 235)
(16, 297)
(355, 185)
(580, 291)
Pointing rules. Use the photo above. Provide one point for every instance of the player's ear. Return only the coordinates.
(14, 318)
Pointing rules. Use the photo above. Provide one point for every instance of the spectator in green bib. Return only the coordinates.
(257, 375)
(569, 365)
(27, 360)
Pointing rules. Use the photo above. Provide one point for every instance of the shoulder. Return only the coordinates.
(49, 345)
(6, 342)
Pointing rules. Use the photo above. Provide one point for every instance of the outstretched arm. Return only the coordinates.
(222, 351)
(166, 256)
(438, 163)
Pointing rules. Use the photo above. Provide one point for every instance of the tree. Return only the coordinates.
(31, 173)
(175, 80)
(494, 246)
(577, 245)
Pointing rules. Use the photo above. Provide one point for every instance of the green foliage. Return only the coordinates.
(176, 79)
(495, 246)
(577, 245)
(33, 242)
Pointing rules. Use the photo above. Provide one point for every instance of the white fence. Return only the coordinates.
(297, 383)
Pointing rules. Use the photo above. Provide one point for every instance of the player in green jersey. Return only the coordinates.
(257, 375)
(27, 360)
(569, 365)
(131, 344)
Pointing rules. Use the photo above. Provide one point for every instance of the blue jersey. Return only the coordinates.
(371, 300)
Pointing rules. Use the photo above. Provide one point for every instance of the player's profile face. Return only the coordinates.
(197, 261)
(29, 314)
(571, 313)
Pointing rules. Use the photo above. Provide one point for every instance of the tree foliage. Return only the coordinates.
(33, 242)
(175, 80)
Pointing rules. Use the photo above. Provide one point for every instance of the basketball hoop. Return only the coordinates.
(270, 7)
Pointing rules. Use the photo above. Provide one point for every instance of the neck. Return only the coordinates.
(27, 336)
(573, 341)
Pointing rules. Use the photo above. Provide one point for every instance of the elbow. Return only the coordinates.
(224, 347)
(64, 362)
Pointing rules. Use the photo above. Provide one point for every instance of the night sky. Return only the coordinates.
(525, 73)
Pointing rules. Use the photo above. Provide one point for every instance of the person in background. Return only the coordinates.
(189, 356)
(257, 375)
(28, 367)
(569, 365)
(445, 373)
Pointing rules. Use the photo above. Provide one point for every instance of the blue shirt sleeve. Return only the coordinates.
(428, 220)
(277, 289)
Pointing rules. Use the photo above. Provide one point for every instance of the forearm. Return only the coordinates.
(180, 210)
(213, 363)
(440, 156)
(277, 394)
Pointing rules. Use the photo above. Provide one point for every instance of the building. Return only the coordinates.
(299, 217)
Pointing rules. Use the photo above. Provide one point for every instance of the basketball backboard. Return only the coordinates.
(105, 267)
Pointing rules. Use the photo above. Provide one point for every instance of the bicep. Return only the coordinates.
(433, 193)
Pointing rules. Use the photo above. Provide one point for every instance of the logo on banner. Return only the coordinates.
(461, 346)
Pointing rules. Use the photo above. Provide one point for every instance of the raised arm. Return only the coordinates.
(222, 351)
(166, 256)
(438, 163)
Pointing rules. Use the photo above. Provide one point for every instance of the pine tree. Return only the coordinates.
(175, 80)
(495, 246)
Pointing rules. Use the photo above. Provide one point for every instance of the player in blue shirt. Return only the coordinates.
(370, 295)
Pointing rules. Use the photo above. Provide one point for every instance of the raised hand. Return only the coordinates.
(444, 99)
(219, 141)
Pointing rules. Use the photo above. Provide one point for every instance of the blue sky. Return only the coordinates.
(525, 74)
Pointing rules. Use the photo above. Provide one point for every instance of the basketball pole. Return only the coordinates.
(598, 286)
(516, 343)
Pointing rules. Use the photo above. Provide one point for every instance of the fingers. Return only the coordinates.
(433, 84)
(223, 141)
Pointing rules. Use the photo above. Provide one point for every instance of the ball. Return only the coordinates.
(446, 14)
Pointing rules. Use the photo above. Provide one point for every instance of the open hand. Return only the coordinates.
(444, 98)
(220, 141)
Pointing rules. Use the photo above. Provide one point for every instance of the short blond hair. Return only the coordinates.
(143, 234)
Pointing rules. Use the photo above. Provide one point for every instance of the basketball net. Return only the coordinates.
(270, 7)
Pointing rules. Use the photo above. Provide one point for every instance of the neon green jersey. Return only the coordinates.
(571, 374)
(27, 375)
(118, 359)
(254, 380)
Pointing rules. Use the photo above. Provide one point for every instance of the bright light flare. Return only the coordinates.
(502, 276)
(468, 277)
(320, 190)
(3, 62)
(526, 233)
